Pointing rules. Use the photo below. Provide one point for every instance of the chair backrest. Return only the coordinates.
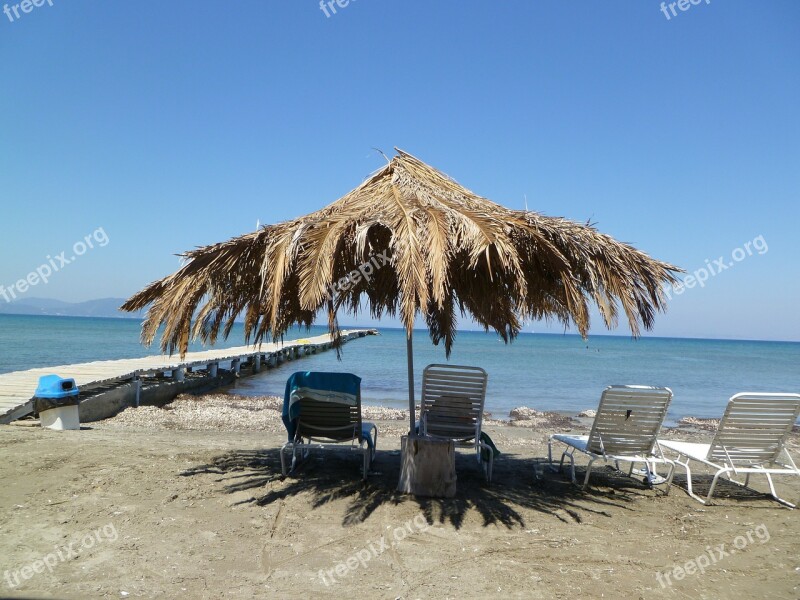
(754, 428)
(329, 420)
(628, 419)
(452, 402)
(323, 405)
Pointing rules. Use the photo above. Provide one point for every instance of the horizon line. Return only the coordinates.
(422, 329)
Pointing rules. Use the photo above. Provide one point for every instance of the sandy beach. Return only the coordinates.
(190, 502)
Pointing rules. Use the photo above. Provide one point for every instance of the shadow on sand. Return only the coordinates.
(518, 485)
(725, 490)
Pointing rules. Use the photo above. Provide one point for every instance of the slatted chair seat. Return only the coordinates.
(453, 398)
(750, 439)
(625, 429)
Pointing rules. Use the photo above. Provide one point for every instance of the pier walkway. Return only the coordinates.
(17, 388)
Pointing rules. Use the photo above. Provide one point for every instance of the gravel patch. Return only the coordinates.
(224, 412)
(530, 417)
(704, 424)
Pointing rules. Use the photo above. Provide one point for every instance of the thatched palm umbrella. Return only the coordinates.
(449, 251)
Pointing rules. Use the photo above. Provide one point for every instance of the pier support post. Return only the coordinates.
(236, 365)
(212, 369)
(257, 363)
(179, 374)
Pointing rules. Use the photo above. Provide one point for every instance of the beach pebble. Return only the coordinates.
(706, 424)
(523, 413)
(225, 412)
(524, 416)
(590, 414)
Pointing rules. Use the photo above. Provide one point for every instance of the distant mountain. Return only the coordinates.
(102, 307)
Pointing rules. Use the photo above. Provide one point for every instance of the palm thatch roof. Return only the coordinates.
(450, 252)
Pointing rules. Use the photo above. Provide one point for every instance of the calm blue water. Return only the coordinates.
(547, 372)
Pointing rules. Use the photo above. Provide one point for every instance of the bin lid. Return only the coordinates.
(53, 386)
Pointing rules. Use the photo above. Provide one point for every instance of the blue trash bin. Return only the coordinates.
(56, 402)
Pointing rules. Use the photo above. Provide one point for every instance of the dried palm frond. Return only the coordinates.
(449, 251)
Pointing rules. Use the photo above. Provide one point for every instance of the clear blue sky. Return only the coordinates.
(177, 124)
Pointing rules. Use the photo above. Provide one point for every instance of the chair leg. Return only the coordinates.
(487, 466)
(717, 475)
(689, 489)
(670, 475)
(568, 453)
(550, 458)
(588, 473)
(774, 493)
(283, 459)
(571, 465)
(736, 481)
(653, 468)
(290, 448)
(649, 473)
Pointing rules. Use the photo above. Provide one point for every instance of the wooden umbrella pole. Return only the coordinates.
(412, 432)
(427, 466)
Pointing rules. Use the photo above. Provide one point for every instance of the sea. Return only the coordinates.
(544, 371)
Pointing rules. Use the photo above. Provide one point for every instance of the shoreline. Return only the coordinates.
(687, 421)
(213, 407)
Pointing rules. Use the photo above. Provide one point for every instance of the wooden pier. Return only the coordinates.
(17, 388)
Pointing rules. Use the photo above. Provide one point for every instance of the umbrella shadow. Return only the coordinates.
(519, 486)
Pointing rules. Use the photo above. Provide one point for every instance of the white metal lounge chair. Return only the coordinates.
(451, 408)
(625, 429)
(751, 438)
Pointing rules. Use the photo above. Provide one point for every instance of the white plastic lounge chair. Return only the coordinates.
(451, 408)
(624, 430)
(322, 411)
(751, 438)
